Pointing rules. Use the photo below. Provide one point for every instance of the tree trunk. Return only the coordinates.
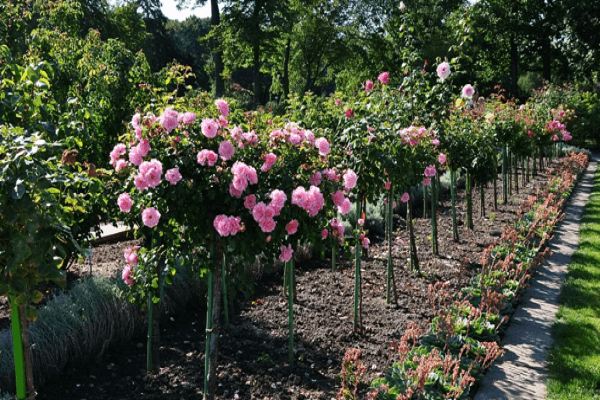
(256, 73)
(514, 67)
(215, 19)
(286, 69)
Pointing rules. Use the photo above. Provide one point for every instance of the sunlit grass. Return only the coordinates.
(574, 360)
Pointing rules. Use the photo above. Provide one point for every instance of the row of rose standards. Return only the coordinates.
(230, 189)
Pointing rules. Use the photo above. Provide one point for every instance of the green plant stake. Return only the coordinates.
(504, 160)
(18, 350)
(290, 268)
(482, 193)
(509, 174)
(469, 202)
(333, 253)
(209, 308)
(223, 273)
(357, 268)
(425, 201)
(453, 199)
(150, 332)
(434, 238)
(516, 163)
(390, 269)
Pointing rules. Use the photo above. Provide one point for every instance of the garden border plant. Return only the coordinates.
(464, 334)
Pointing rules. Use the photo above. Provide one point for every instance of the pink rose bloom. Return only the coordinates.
(338, 102)
(278, 198)
(388, 185)
(324, 233)
(349, 113)
(267, 225)
(223, 107)
(131, 254)
(405, 197)
(294, 139)
(310, 137)
(286, 253)
(270, 212)
(350, 179)
(169, 119)
(209, 127)
(442, 158)
(443, 70)
(150, 217)
(427, 181)
(368, 86)
(143, 147)
(345, 207)
(173, 176)
(138, 132)
(315, 179)
(467, 91)
(124, 201)
(430, 171)
(384, 78)
(292, 227)
(207, 157)
(298, 196)
(135, 157)
(121, 164)
(338, 198)
(135, 121)
(127, 275)
(361, 222)
(226, 150)
(117, 152)
(522, 107)
(530, 133)
(250, 201)
(235, 192)
(435, 142)
(221, 225)
(566, 136)
(140, 182)
(270, 160)
(188, 118)
(366, 242)
(323, 146)
(258, 211)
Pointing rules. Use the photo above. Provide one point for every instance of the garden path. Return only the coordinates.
(522, 372)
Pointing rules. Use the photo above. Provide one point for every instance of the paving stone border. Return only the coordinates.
(522, 372)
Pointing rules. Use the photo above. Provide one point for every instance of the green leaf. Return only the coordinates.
(36, 296)
(18, 191)
(31, 314)
(155, 283)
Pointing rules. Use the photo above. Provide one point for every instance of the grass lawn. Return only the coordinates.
(574, 360)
